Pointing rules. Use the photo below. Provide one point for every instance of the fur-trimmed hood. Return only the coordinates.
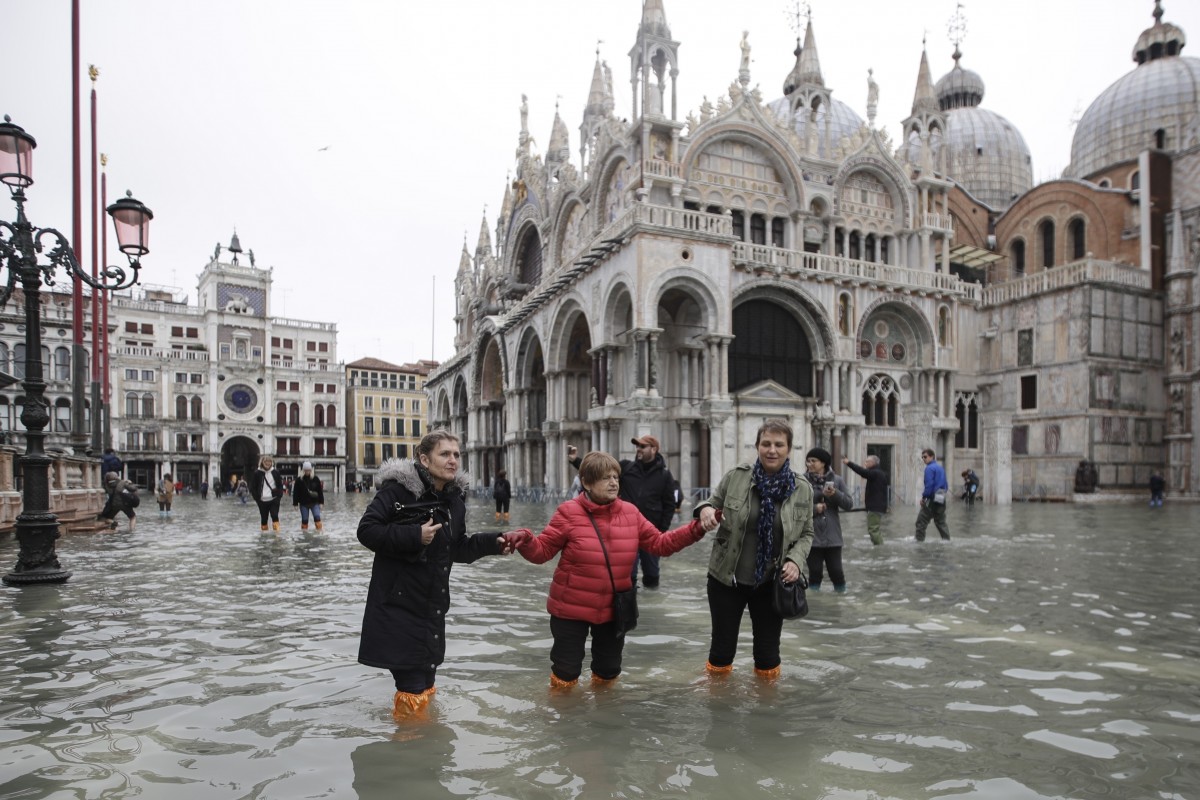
(404, 472)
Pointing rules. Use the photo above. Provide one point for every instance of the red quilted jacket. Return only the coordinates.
(581, 588)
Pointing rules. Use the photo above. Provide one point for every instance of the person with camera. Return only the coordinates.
(597, 537)
(875, 498)
(829, 497)
(266, 487)
(765, 514)
(404, 622)
(933, 498)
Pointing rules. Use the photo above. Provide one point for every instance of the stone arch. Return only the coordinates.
(572, 230)
(884, 175)
(239, 456)
(583, 381)
(617, 324)
(777, 153)
(685, 310)
(903, 324)
(780, 333)
(616, 188)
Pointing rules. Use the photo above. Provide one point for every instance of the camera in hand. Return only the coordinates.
(419, 512)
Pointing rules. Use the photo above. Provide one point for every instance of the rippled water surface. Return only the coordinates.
(1048, 651)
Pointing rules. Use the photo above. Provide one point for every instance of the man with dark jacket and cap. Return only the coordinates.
(648, 484)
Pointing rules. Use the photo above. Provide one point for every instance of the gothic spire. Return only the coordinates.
(924, 99)
(809, 65)
(484, 248)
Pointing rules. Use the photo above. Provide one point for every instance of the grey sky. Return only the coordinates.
(215, 114)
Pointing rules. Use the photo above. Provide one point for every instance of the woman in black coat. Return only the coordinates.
(404, 623)
(502, 494)
(266, 487)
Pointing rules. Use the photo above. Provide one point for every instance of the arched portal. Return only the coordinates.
(239, 456)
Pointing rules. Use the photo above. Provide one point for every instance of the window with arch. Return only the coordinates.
(197, 409)
(1046, 236)
(319, 416)
(132, 404)
(943, 326)
(881, 402)
(181, 407)
(769, 343)
(62, 415)
(1160, 139)
(281, 413)
(331, 416)
(1135, 181)
(758, 229)
(294, 415)
(148, 406)
(966, 409)
(62, 364)
(1077, 234)
(1105, 183)
(529, 259)
(1017, 255)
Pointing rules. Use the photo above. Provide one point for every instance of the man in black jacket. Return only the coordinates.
(875, 498)
(648, 484)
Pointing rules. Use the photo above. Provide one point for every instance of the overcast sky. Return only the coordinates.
(352, 143)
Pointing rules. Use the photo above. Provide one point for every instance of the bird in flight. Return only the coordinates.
(323, 149)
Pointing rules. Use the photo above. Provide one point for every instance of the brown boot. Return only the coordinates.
(264, 527)
(497, 516)
(506, 518)
(319, 525)
(303, 526)
(558, 683)
(275, 526)
(407, 706)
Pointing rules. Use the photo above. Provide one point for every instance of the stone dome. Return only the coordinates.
(984, 152)
(841, 118)
(1157, 105)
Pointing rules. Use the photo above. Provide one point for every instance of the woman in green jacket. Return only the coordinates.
(765, 511)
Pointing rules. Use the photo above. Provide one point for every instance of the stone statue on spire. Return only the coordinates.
(872, 97)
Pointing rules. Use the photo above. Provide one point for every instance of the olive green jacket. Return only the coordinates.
(732, 497)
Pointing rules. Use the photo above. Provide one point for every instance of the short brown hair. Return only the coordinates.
(774, 426)
(597, 466)
(431, 439)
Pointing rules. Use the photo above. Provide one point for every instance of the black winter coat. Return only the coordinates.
(502, 489)
(651, 488)
(307, 491)
(404, 623)
(875, 498)
(256, 484)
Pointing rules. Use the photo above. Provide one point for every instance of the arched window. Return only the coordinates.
(1160, 139)
(331, 416)
(855, 246)
(62, 364)
(758, 229)
(281, 414)
(197, 409)
(1017, 256)
(294, 415)
(1077, 233)
(18, 370)
(1046, 235)
(881, 402)
(529, 258)
(769, 344)
(844, 313)
(62, 415)
(966, 409)
(319, 416)
(181, 407)
(132, 405)
(148, 405)
(1135, 181)
(869, 247)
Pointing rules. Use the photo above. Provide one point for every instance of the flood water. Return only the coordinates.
(1048, 651)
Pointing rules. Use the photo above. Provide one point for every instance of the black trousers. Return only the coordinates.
(821, 558)
(726, 604)
(570, 638)
(266, 507)
(413, 681)
(501, 505)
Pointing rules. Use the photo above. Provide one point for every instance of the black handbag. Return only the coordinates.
(625, 609)
(419, 512)
(130, 497)
(789, 599)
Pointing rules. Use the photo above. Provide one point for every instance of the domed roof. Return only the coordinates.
(959, 88)
(842, 118)
(987, 156)
(1162, 94)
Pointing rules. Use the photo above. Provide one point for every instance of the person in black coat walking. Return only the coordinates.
(502, 494)
(266, 487)
(876, 496)
(309, 495)
(404, 622)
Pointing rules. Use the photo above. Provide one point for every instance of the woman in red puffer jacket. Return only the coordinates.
(581, 593)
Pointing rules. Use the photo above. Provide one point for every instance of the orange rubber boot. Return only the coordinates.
(558, 683)
(602, 683)
(275, 526)
(769, 674)
(407, 706)
(714, 670)
(319, 525)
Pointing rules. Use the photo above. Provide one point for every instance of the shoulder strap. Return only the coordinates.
(603, 549)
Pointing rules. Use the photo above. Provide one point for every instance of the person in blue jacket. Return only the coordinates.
(933, 499)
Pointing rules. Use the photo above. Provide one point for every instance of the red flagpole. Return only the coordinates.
(97, 222)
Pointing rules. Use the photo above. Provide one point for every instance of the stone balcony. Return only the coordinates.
(1089, 270)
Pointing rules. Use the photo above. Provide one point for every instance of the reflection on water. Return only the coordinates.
(1046, 652)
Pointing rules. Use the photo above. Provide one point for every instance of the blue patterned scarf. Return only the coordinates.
(772, 491)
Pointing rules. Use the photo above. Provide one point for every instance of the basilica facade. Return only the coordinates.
(690, 275)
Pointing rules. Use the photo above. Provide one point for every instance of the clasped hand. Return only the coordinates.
(510, 541)
(710, 518)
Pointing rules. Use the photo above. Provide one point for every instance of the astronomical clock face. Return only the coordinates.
(240, 398)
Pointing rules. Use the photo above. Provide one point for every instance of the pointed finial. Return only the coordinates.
(1158, 12)
(93, 73)
(598, 43)
(956, 29)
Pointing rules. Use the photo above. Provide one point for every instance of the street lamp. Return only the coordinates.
(21, 244)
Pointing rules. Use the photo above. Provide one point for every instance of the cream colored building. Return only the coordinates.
(390, 409)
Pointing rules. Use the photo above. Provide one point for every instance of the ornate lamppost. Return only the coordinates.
(21, 245)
